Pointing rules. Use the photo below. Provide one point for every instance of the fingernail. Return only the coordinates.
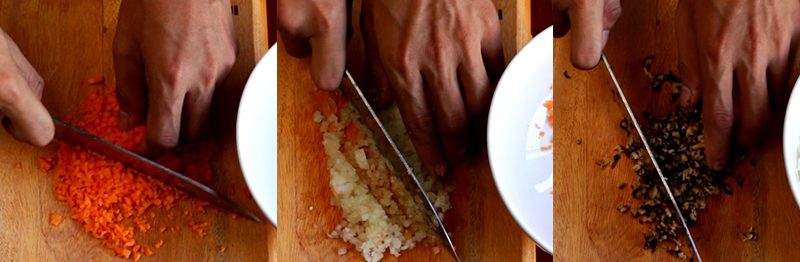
(686, 96)
(606, 33)
(440, 170)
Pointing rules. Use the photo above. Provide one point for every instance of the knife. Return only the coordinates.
(385, 143)
(80, 138)
(652, 158)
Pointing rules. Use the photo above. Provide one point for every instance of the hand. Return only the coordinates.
(317, 28)
(20, 90)
(169, 55)
(720, 39)
(590, 22)
(441, 60)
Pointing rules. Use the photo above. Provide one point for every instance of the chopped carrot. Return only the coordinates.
(56, 219)
(222, 248)
(45, 164)
(162, 229)
(147, 252)
(112, 202)
(159, 244)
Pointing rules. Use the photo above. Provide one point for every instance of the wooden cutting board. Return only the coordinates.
(482, 228)
(588, 225)
(69, 42)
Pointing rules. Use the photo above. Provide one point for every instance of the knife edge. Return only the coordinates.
(82, 139)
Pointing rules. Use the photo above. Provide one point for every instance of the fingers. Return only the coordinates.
(492, 49)
(478, 89)
(197, 105)
(687, 51)
(753, 106)
(328, 59)
(26, 119)
(129, 70)
(588, 23)
(560, 19)
(418, 118)
(318, 29)
(718, 114)
(451, 115)
(163, 117)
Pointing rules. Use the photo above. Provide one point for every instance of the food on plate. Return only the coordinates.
(115, 204)
(379, 213)
(677, 143)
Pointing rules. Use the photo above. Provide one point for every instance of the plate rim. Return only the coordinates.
(548, 247)
(792, 175)
(262, 204)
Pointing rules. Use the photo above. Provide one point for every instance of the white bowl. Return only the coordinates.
(791, 141)
(522, 171)
(257, 134)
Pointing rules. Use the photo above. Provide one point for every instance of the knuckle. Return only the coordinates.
(722, 119)
(10, 93)
(164, 140)
(613, 11)
(716, 51)
(401, 61)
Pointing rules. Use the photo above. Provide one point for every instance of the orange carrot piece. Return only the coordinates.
(56, 219)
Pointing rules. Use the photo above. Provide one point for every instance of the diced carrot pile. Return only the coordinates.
(56, 219)
(109, 200)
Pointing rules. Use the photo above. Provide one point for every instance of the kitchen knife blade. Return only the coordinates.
(387, 145)
(80, 138)
(652, 157)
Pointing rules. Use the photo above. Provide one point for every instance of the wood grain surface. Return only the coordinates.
(587, 226)
(482, 228)
(69, 42)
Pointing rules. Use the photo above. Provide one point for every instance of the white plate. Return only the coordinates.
(257, 134)
(524, 173)
(791, 141)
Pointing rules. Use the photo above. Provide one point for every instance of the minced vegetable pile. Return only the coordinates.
(113, 203)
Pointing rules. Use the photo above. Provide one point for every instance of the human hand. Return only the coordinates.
(169, 56)
(317, 28)
(727, 43)
(23, 115)
(441, 60)
(590, 22)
